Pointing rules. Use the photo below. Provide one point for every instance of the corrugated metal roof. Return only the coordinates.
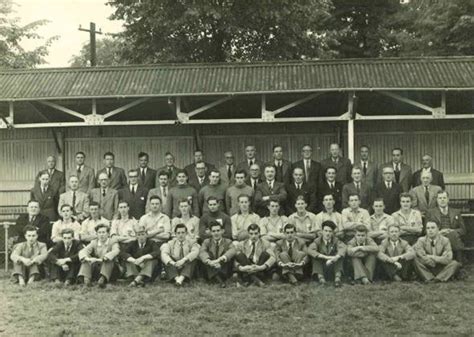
(238, 78)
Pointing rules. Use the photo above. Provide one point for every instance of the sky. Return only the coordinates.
(65, 16)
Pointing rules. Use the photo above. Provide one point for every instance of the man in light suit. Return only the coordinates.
(269, 189)
(135, 195)
(402, 172)
(434, 257)
(191, 168)
(389, 191)
(228, 170)
(147, 175)
(291, 253)
(424, 196)
(46, 196)
(427, 166)
(162, 189)
(282, 166)
(78, 200)
(169, 168)
(105, 196)
(343, 165)
(84, 173)
(116, 175)
(359, 187)
(250, 159)
(313, 171)
(369, 169)
(56, 177)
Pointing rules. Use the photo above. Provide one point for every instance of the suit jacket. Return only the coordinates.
(438, 178)
(281, 246)
(365, 194)
(418, 197)
(41, 222)
(405, 176)
(56, 180)
(171, 174)
(111, 249)
(86, 178)
(223, 173)
(281, 177)
(318, 247)
(261, 246)
(208, 249)
(248, 182)
(372, 175)
(118, 179)
(191, 170)
(48, 201)
(387, 251)
(442, 248)
(39, 252)
(343, 167)
(132, 249)
(456, 223)
(194, 182)
(316, 173)
(309, 193)
(81, 205)
(369, 242)
(59, 251)
(336, 192)
(108, 203)
(391, 198)
(244, 165)
(157, 191)
(277, 193)
(150, 178)
(136, 202)
(170, 251)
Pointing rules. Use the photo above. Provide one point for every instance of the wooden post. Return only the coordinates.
(5, 226)
(350, 125)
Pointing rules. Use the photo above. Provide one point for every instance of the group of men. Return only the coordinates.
(251, 221)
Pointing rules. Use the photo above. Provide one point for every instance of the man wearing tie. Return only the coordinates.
(135, 195)
(64, 258)
(105, 196)
(191, 168)
(169, 168)
(147, 176)
(228, 170)
(424, 196)
(78, 200)
(331, 186)
(389, 191)
(56, 177)
(311, 168)
(282, 165)
(427, 167)
(402, 172)
(162, 189)
(233, 192)
(84, 173)
(200, 178)
(250, 159)
(359, 187)
(254, 177)
(343, 165)
(33, 218)
(369, 169)
(47, 196)
(115, 175)
(268, 190)
(300, 187)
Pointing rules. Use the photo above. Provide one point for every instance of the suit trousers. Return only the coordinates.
(224, 271)
(296, 257)
(404, 273)
(146, 269)
(187, 270)
(57, 272)
(364, 266)
(441, 272)
(243, 260)
(26, 271)
(97, 269)
(329, 272)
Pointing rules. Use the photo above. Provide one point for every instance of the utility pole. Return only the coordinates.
(92, 33)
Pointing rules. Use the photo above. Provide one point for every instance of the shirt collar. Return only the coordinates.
(100, 244)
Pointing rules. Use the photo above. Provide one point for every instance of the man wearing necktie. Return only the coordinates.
(47, 196)
(227, 170)
(78, 200)
(34, 218)
(291, 254)
(369, 168)
(147, 174)
(297, 188)
(116, 175)
(424, 196)
(64, 259)
(388, 190)
(250, 159)
(357, 186)
(84, 173)
(282, 165)
(105, 196)
(135, 195)
(330, 186)
(402, 172)
(269, 190)
(343, 165)
(161, 190)
(56, 177)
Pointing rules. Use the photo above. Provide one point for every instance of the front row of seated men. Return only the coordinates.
(251, 261)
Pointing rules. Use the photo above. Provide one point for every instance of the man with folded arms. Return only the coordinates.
(291, 255)
(363, 252)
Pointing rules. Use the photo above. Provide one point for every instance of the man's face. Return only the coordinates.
(426, 161)
(270, 173)
(250, 152)
(31, 237)
(244, 204)
(239, 179)
(109, 161)
(94, 211)
(51, 162)
(405, 202)
(163, 180)
(396, 156)
(356, 175)
(426, 179)
(198, 156)
(44, 179)
(103, 180)
(214, 178)
(334, 150)
(432, 229)
(394, 233)
(143, 161)
(216, 232)
(378, 207)
(102, 234)
(442, 199)
(298, 175)
(181, 234)
(141, 236)
(290, 234)
(184, 207)
(200, 169)
(133, 177)
(213, 205)
(354, 202)
(74, 183)
(327, 233)
(388, 174)
(360, 237)
(307, 152)
(180, 178)
(278, 153)
(155, 205)
(331, 175)
(67, 239)
(254, 171)
(169, 160)
(33, 208)
(254, 234)
(123, 208)
(80, 159)
(300, 205)
(364, 153)
(274, 208)
(328, 202)
(66, 212)
(229, 158)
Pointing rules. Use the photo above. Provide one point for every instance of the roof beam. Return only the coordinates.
(408, 101)
(208, 106)
(269, 115)
(126, 107)
(63, 109)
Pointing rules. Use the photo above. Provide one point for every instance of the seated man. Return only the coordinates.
(434, 257)
(304, 221)
(354, 216)
(327, 253)
(271, 226)
(64, 258)
(329, 213)
(28, 257)
(214, 214)
(408, 219)
(217, 253)
(363, 252)
(291, 255)
(34, 218)
(141, 257)
(379, 221)
(66, 221)
(88, 232)
(254, 258)
(179, 255)
(123, 226)
(242, 219)
(396, 255)
(98, 257)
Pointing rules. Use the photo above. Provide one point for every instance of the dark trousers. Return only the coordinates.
(223, 272)
(390, 270)
(328, 272)
(243, 260)
(145, 270)
(57, 272)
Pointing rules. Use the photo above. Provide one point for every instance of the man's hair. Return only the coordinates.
(330, 167)
(393, 225)
(240, 172)
(143, 154)
(289, 226)
(180, 201)
(43, 173)
(67, 231)
(361, 228)
(30, 228)
(102, 225)
(180, 225)
(328, 223)
(122, 202)
(156, 197)
(80, 152)
(443, 192)
(269, 165)
(32, 200)
(253, 227)
(405, 195)
(276, 146)
(132, 171)
(212, 198)
(163, 173)
(169, 154)
(243, 196)
(353, 195)
(181, 172)
(214, 223)
(65, 205)
(378, 199)
(300, 197)
(139, 228)
(364, 146)
(399, 149)
(94, 203)
(433, 221)
(109, 154)
(213, 171)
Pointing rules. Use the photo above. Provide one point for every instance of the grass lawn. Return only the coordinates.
(279, 309)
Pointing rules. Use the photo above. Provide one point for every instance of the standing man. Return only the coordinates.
(46, 196)
(250, 159)
(147, 176)
(78, 200)
(282, 166)
(427, 166)
(228, 170)
(84, 173)
(56, 177)
(162, 189)
(402, 172)
(135, 195)
(424, 196)
(199, 179)
(312, 170)
(343, 165)
(115, 175)
(330, 186)
(214, 189)
(300, 187)
(191, 168)
(233, 192)
(359, 187)
(369, 169)
(389, 191)
(269, 189)
(181, 191)
(169, 168)
(105, 196)
(254, 179)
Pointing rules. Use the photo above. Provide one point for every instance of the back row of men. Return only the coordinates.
(277, 180)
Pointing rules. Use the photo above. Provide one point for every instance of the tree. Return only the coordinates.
(108, 53)
(225, 30)
(12, 34)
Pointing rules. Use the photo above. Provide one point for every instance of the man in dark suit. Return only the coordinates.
(342, 165)
(297, 188)
(357, 186)
(116, 175)
(402, 171)
(56, 177)
(84, 173)
(191, 168)
(147, 176)
(269, 189)
(227, 171)
(253, 179)
(47, 196)
(369, 169)
(169, 168)
(34, 218)
(389, 191)
(250, 159)
(135, 195)
(64, 258)
(312, 169)
(200, 177)
(282, 165)
(427, 166)
(330, 186)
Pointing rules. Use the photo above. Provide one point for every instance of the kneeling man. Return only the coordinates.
(363, 252)
(64, 258)
(291, 254)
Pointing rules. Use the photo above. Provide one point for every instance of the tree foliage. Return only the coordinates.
(107, 52)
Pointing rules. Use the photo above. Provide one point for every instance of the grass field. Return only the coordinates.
(279, 309)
